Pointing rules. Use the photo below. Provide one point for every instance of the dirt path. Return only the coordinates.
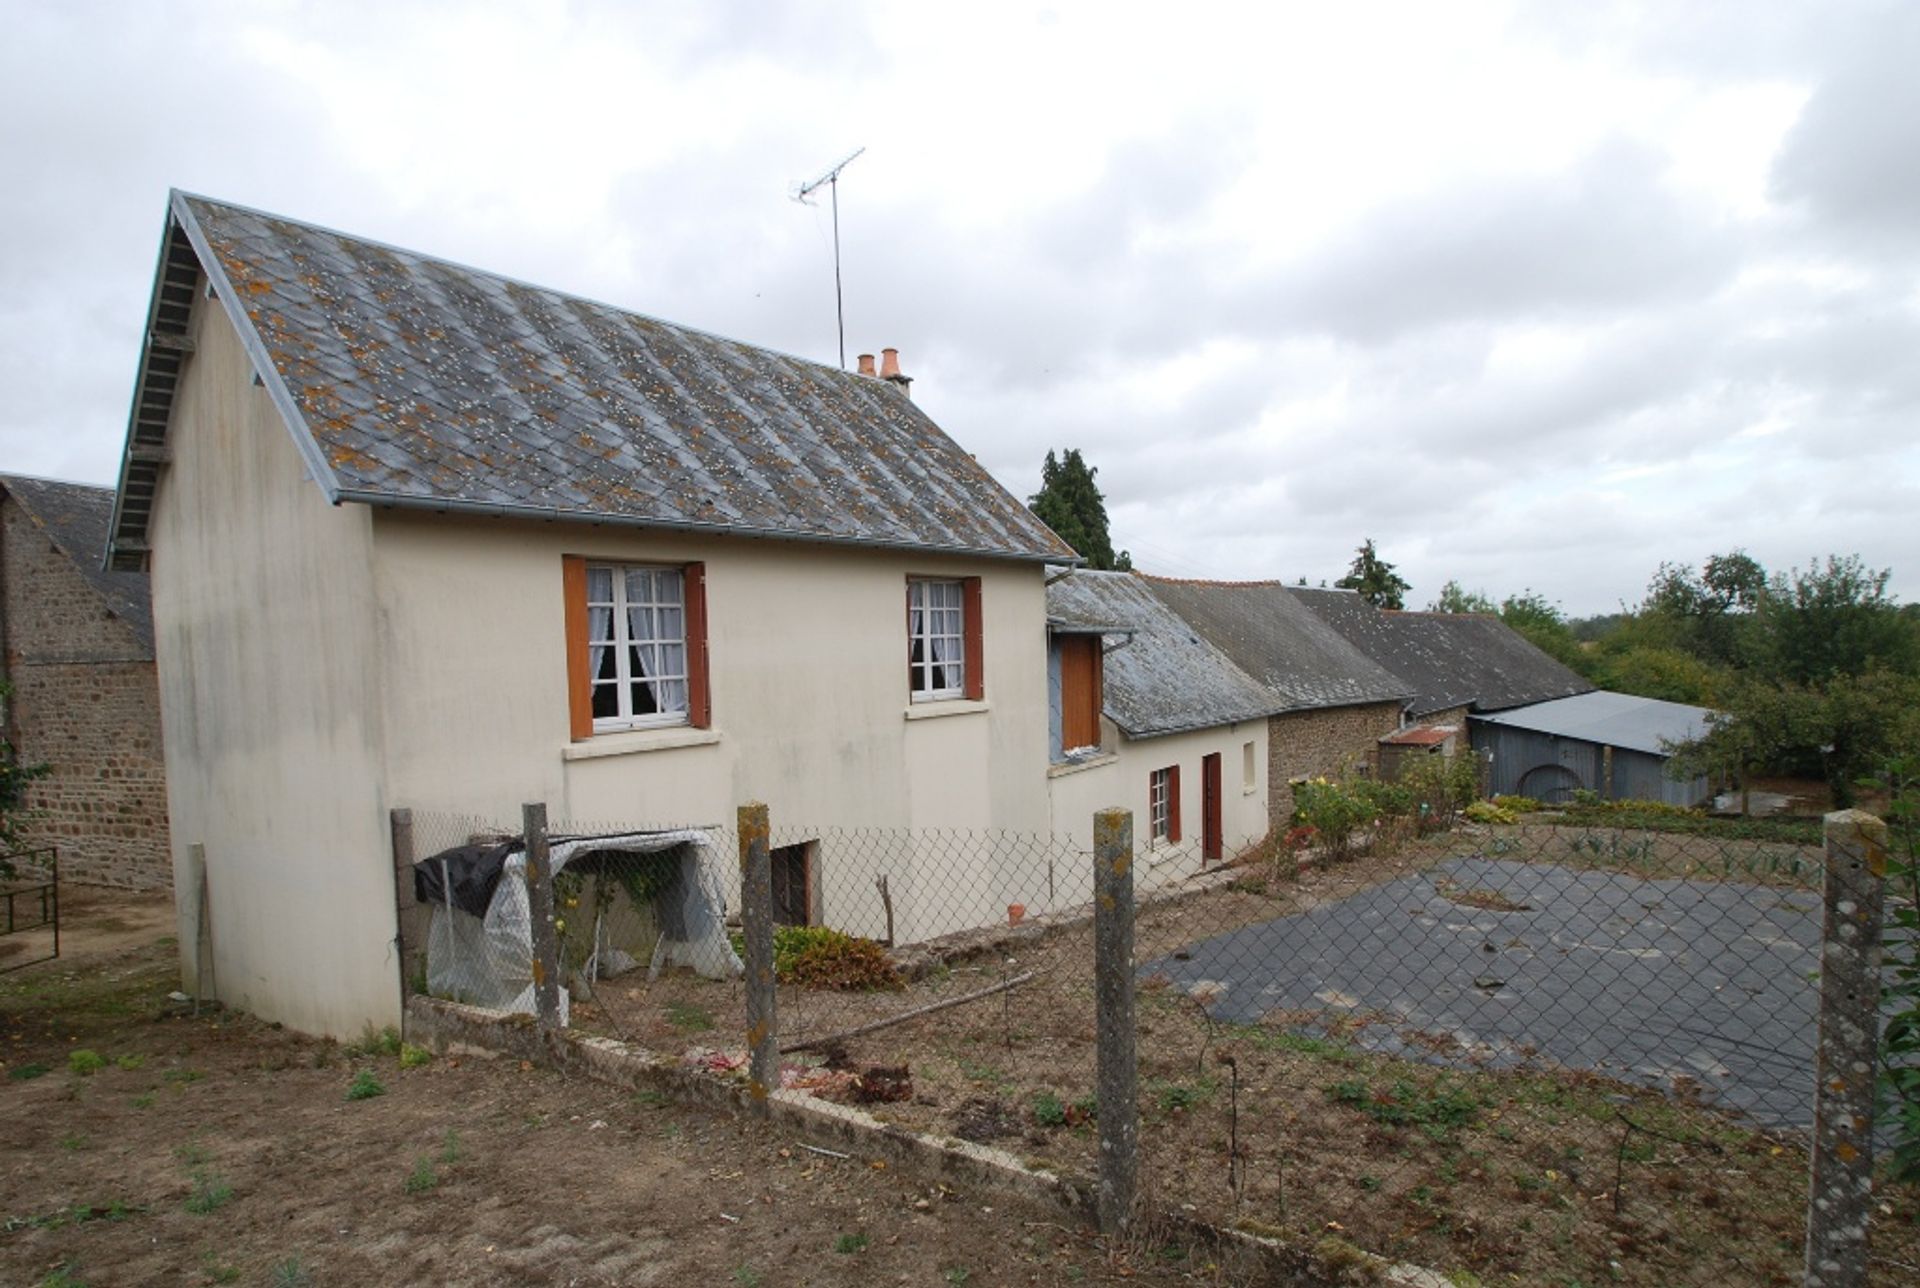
(220, 1150)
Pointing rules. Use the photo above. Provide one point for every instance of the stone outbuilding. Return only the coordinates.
(76, 644)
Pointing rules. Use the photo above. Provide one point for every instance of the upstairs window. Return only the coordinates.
(1078, 675)
(943, 639)
(636, 637)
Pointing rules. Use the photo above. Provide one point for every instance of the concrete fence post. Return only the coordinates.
(409, 914)
(1118, 1076)
(1841, 1193)
(756, 923)
(546, 943)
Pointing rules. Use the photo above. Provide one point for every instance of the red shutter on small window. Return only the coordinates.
(573, 586)
(1173, 803)
(976, 666)
(699, 695)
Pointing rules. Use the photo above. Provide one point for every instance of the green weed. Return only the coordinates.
(28, 1072)
(84, 1062)
(210, 1192)
(291, 1274)
(851, 1243)
(1438, 1109)
(130, 1061)
(365, 1086)
(377, 1042)
(414, 1057)
(422, 1178)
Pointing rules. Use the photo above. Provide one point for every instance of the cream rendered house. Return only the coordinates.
(424, 536)
(1147, 714)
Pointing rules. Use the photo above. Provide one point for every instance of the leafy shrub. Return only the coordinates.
(1334, 810)
(1518, 804)
(1488, 812)
(822, 957)
(413, 1057)
(84, 1062)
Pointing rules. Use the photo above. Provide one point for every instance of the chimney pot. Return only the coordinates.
(889, 363)
(866, 364)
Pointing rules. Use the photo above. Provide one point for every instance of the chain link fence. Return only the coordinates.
(1568, 1049)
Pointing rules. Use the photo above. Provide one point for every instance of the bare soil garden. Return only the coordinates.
(147, 1146)
(1296, 1123)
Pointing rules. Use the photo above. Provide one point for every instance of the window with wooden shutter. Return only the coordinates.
(636, 638)
(1080, 664)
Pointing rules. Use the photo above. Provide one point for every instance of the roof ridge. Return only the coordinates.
(460, 267)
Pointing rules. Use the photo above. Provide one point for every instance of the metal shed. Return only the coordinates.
(1612, 743)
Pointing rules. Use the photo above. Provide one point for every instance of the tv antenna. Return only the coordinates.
(800, 194)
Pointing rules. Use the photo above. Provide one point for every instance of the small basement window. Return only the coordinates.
(796, 892)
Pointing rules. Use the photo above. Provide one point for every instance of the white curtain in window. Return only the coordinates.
(599, 617)
(655, 626)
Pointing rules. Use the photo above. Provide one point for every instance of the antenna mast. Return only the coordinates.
(800, 194)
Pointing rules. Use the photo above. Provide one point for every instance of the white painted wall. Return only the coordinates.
(271, 709)
(811, 714)
(1121, 779)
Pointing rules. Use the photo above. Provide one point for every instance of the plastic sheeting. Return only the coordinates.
(488, 961)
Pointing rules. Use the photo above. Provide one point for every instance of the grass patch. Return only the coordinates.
(130, 1061)
(422, 1178)
(181, 1077)
(689, 1018)
(851, 1243)
(377, 1042)
(365, 1086)
(1438, 1109)
(28, 1072)
(210, 1193)
(414, 1057)
(291, 1274)
(65, 1275)
(84, 1063)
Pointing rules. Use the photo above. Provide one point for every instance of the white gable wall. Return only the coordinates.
(271, 709)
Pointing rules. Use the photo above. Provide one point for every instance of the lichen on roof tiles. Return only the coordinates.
(418, 379)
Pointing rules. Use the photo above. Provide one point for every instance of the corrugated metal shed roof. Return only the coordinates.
(1446, 659)
(410, 380)
(1168, 679)
(1610, 719)
(1277, 640)
(76, 518)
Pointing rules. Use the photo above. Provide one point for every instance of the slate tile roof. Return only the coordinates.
(411, 380)
(1447, 659)
(1167, 678)
(1280, 642)
(75, 517)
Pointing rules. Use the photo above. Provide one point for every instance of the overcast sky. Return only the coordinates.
(1533, 295)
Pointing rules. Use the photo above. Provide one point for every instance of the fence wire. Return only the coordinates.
(1550, 1052)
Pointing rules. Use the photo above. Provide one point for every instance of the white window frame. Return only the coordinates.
(1159, 805)
(623, 641)
(933, 605)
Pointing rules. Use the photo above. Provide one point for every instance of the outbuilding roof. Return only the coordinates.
(1167, 678)
(1446, 659)
(75, 518)
(1280, 642)
(1611, 719)
(409, 380)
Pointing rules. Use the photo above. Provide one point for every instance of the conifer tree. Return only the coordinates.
(1070, 503)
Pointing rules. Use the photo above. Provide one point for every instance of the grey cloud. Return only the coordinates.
(1850, 159)
(1602, 235)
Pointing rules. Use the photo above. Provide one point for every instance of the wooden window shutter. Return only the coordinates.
(1173, 803)
(976, 666)
(573, 585)
(699, 695)
(1079, 691)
